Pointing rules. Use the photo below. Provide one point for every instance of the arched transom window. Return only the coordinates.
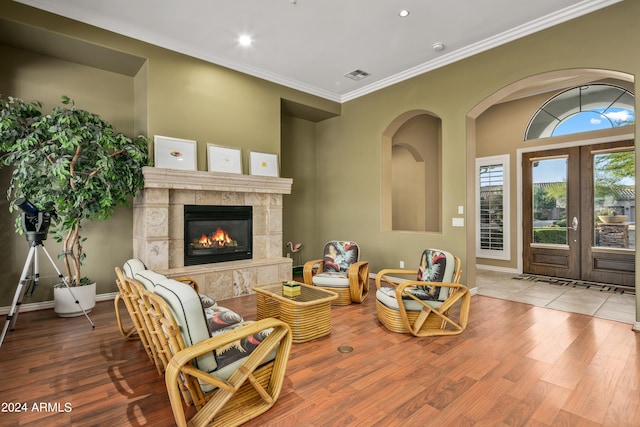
(582, 109)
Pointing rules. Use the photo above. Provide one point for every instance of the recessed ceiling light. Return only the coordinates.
(438, 46)
(403, 13)
(245, 40)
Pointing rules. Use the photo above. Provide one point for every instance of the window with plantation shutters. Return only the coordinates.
(492, 217)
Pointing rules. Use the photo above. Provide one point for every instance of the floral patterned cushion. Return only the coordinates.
(233, 354)
(435, 266)
(195, 324)
(207, 301)
(339, 255)
(220, 318)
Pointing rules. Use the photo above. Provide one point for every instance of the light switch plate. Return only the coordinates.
(460, 210)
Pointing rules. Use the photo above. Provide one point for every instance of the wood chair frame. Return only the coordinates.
(251, 390)
(428, 321)
(358, 281)
(129, 295)
(132, 333)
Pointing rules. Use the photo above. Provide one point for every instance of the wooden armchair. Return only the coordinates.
(433, 303)
(340, 271)
(130, 295)
(131, 267)
(231, 377)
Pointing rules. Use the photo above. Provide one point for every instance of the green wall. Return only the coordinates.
(300, 214)
(32, 76)
(141, 89)
(335, 159)
(452, 93)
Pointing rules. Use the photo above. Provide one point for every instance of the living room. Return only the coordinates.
(332, 151)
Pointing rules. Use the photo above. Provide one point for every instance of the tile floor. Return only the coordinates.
(606, 305)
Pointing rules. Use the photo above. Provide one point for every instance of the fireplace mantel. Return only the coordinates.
(176, 179)
(158, 227)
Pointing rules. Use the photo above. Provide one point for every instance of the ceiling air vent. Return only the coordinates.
(357, 75)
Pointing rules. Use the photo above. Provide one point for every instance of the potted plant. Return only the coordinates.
(72, 162)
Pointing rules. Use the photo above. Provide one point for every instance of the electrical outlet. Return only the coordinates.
(401, 264)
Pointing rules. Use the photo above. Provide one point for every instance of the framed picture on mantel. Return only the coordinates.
(263, 164)
(224, 159)
(174, 153)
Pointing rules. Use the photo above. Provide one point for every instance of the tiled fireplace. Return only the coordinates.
(158, 228)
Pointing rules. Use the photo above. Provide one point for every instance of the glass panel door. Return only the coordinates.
(551, 212)
(614, 199)
(579, 213)
(549, 201)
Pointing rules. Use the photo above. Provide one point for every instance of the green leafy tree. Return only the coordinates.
(70, 161)
(612, 173)
(542, 199)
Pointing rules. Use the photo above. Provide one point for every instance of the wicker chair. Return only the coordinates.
(223, 394)
(433, 303)
(130, 294)
(340, 271)
(131, 267)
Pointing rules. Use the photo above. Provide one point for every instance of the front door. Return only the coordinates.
(566, 194)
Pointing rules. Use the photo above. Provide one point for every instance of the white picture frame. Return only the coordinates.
(224, 159)
(263, 164)
(174, 153)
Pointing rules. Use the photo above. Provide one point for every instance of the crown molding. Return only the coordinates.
(60, 7)
(564, 15)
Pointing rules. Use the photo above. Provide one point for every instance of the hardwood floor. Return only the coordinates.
(515, 365)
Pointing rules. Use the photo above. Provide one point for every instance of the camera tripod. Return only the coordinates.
(31, 264)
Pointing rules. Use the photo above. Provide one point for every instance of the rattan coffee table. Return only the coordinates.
(308, 314)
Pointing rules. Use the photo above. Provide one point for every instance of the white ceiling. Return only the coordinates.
(310, 45)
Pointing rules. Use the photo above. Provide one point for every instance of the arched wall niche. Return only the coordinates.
(536, 84)
(411, 173)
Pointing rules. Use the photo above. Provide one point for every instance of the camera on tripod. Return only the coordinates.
(35, 222)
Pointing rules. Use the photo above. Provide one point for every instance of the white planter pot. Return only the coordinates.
(64, 304)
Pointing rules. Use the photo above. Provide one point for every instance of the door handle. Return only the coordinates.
(574, 224)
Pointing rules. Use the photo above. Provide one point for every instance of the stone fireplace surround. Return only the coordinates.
(158, 227)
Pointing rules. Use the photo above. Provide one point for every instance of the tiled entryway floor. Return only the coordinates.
(606, 305)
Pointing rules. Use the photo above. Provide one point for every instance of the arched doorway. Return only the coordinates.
(556, 81)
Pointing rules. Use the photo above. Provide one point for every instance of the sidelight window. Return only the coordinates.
(492, 201)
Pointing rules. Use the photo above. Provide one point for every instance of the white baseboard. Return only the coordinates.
(45, 305)
(499, 269)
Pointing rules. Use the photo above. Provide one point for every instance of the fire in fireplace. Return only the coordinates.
(217, 240)
(217, 233)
